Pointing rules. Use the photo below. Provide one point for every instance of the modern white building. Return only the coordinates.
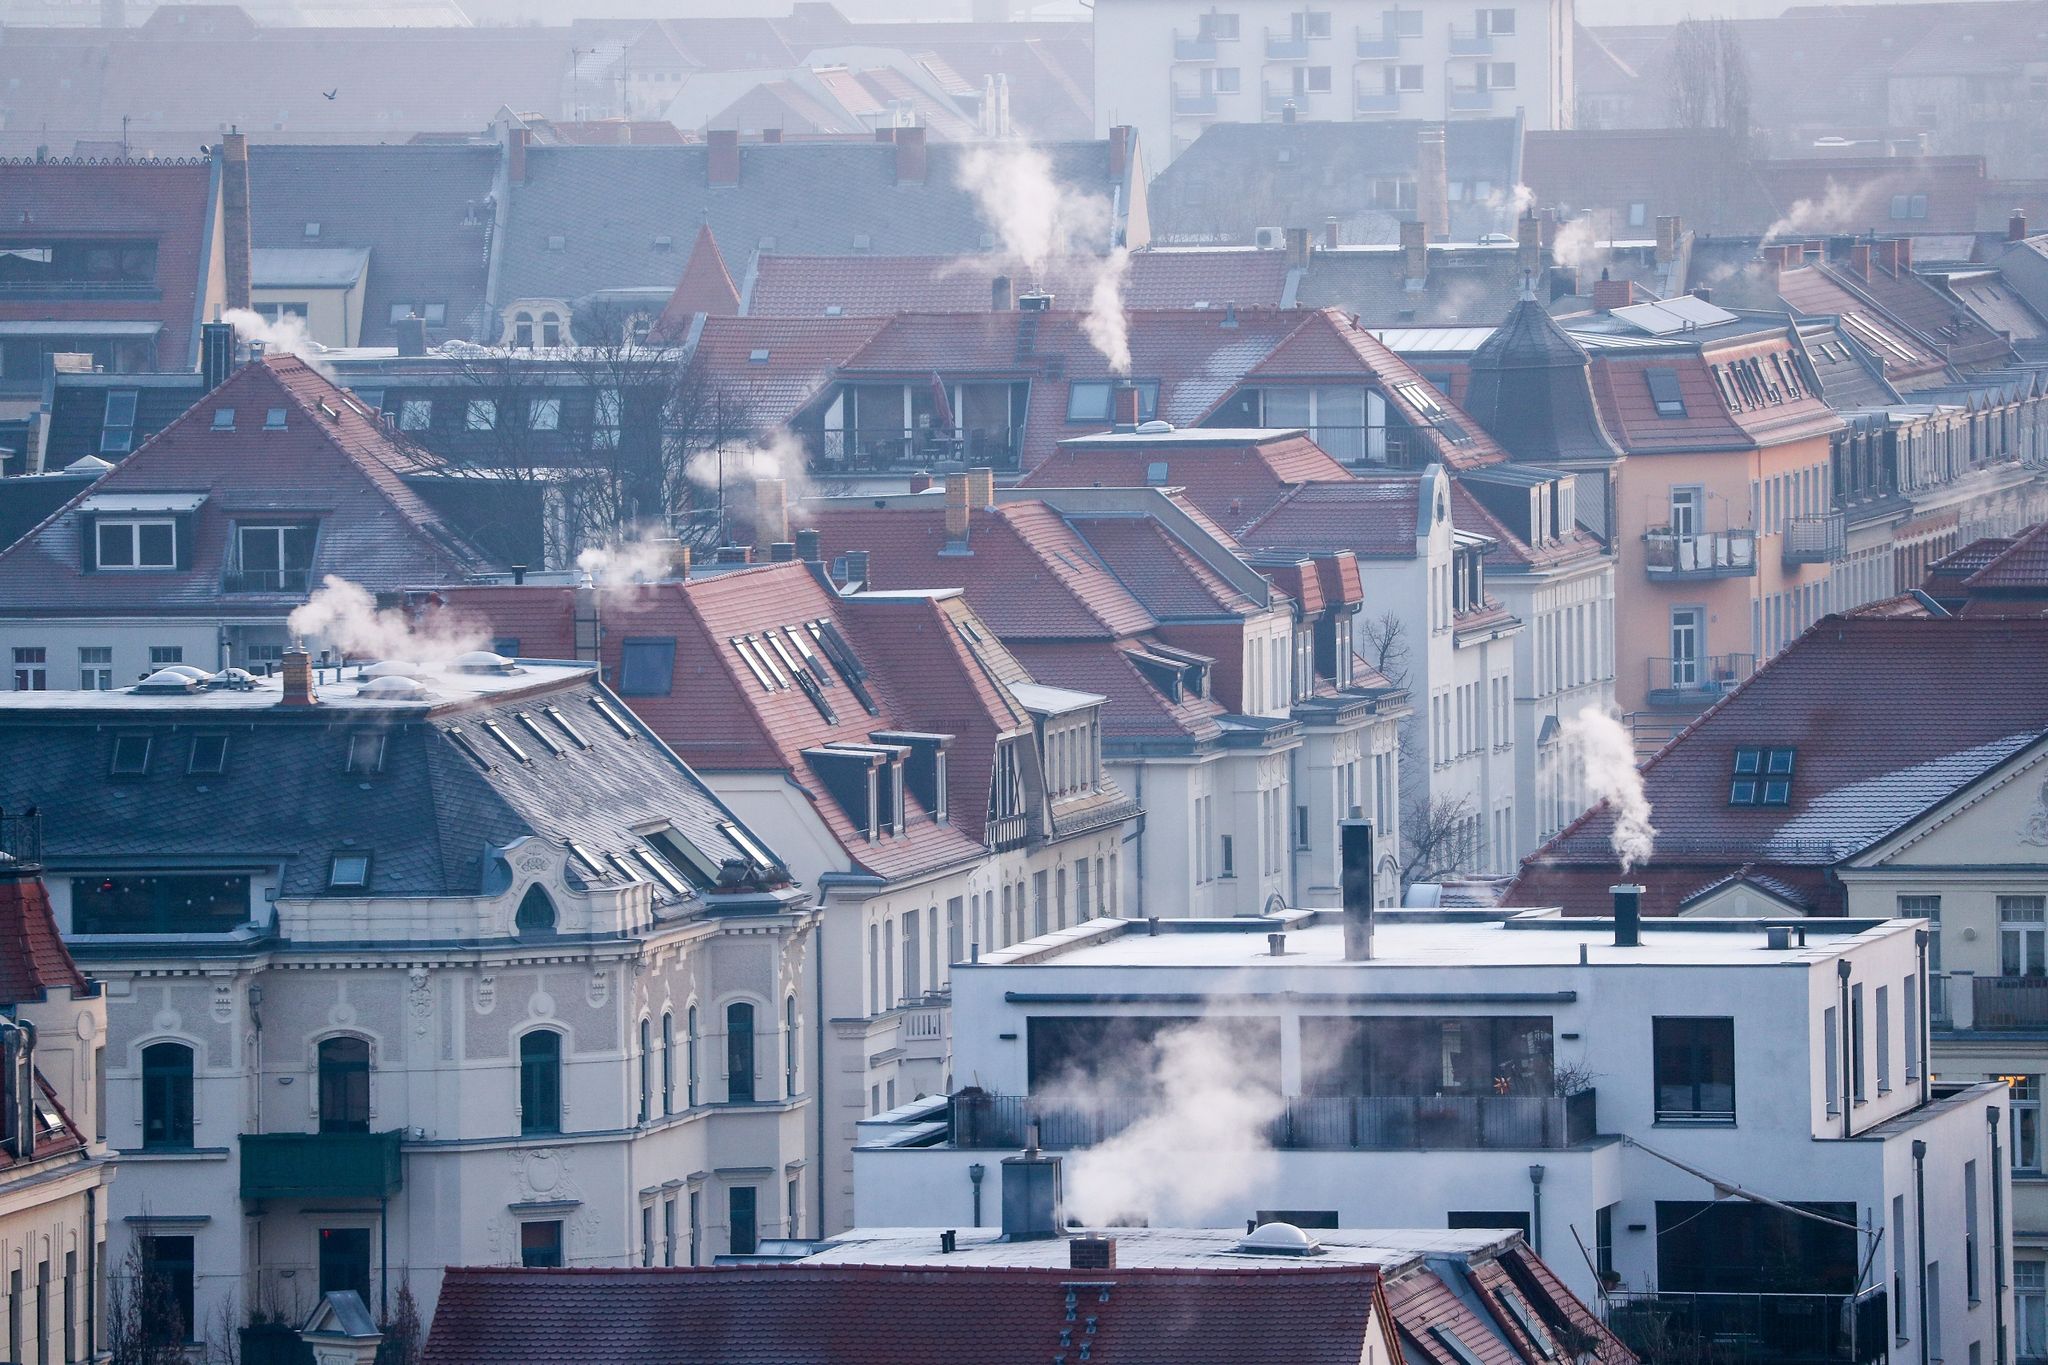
(1172, 67)
(1736, 1122)
(418, 967)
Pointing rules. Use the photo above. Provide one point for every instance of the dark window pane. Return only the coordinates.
(167, 1095)
(193, 904)
(540, 1082)
(345, 1261)
(646, 667)
(166, 1292)
(540, 1244)
(741, 1220)
(1695, 1061)
(344, 1087)
(739, 1053)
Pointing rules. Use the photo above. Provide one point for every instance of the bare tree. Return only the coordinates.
(1436, 837)
(145, 1325)
(1384, 642)
(404, 1338)
(1710, 86)
(1732, 91)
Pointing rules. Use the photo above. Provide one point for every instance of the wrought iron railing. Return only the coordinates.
(869, 451)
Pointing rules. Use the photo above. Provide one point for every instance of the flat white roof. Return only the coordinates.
(1504, 938)
(1155, 1247)
(1046, 700)
(1186, 436)
(442, 686)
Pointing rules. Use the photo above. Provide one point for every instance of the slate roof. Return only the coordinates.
(333, 461)
(1465, 283)
(1880, 731)
(1239, 177)
(427, 820)
(782, 285)
(774, 366)
(1373, 518)
(33, 957)
(422, 211)
(1700, 175)
(924, 673)
(1910, 361)
(1528, 384)
(851, 1315)
(172, 203)
(607, 206)
(1997, 305)
(75, 412)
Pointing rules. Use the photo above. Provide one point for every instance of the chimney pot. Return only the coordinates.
(1032, 1206)
(1125, 413)
(857, 566)
(1354, 883)
(2016, 227)
(298, 677)
(722, 156)
(910, 156)
(412, 335)
(735, 554)
(807, 546)
(921, 481)
(1628, 915)
(1276, 945)
(1330, 232)
(518, 575)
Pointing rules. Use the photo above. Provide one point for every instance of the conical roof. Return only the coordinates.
(706, 287)
(1530, 387)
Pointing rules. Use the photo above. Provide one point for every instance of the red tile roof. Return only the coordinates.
(1630, 413)
(1232, 483)
(706, 287)
(2023, 564)
(32, 953)
(1907, 359)
(796, 359)
(1373, 518)
(1879, 729)
(806, 286)
(168, 202)
(815, 1315)
(333, 461)
(1468, 514)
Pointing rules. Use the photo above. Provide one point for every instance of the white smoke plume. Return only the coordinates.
(1198, 1151)
(343, 617)
(287, 335)
(628, 562)
(1577, 245)
(1039, 221)
(1838, 209)
(1508, 205)
(1608, 755)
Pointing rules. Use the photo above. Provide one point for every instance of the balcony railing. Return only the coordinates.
(1753, 1329)
(1199, 49)
(322, 1165)
(267, 580)
(1383, 46)
(1381, 1123)
(1008, 832)
(1683, 555)
(1819, 539)
(1466, 42)
(1378, 102)
(1194, 106)
(124, 290)
(1697, 680)
(1470, 99)
(1283, 48)
(905, 452)
(2014, 1002)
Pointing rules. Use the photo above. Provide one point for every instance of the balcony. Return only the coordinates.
(1819, 539)
(1696, 682)
(2009, 1002)
(1198, 49)
(1466, 42)
(1332, 1123)
(1384, 46)
(267, 580)
(1194, 106)
(125, 291)
(906, 452)
(322, 1165)
(1469, 99)
(1753, 1329)
(1281, 48)
(1378, 102)
(1680, 556)
(1006, 832)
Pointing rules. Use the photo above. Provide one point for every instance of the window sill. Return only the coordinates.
(1685, 1121)
(173, 1153)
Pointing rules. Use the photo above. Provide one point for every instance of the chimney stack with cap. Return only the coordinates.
(1415, 253)
(809, 545)
(234, 215)
(1528, 249)
(517, 140)
(1120, 151)
(1669, 231)
(771, 512)
(1628, 915)
(1124, 410)
(216, 354)
(771, 136)
(298, 676)
(1297, 246)
(1432, 182)
(1032, 1205)
(1091, 1253)
(722, 156)
(412, 335)
(999, 300)
(958, 511)
(1610, 294)
(1330, 233)
(910, 156)
(2016, 227)
(981, 487)
(1354, 886)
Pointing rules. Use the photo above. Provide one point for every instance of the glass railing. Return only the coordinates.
(1699, 554)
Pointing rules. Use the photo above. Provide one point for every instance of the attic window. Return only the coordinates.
(662, 872)
(833, 310)
(558, 242)
(117, 430)
(1155, 473)
(1451, 1342)
(131, 755)
(1518, 1309)
(647, 666)
(1763, 777)
(1664, 391)
(209, 755)
(749, 845)
(349, 872)
(851, 672)
(366, 752)
(664, 242)
(583, 856)
(223, 419)
(312, 229)
(498, 732)
(758, 356)
(547, 741)
(461, 741)
(273, 419)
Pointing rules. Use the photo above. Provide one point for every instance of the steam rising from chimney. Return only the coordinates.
(1040, 221)
(344, 617)
(1837, 209)
(1609, 757)
(287, 335)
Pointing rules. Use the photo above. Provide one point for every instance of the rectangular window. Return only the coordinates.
(647, 666)
(1884, 1040)
(544, 414)
(668, 1231)
(1664, 391)
(2030, 1309)
(742, 1229)
(1856, 1042)
(344, 1261)
(1695, 1062)
(2021, 929)
(143, 544)
(1498, 22)
(1831, 1044)
(168, 1259)
(481, 415)
(31, 668)
(415, 414)
(540, 1244)
(1088, 401)
(647, 1234)
(95, 668)
(1970, 1235)
(273, 558)
(1498, 76)
(117, 431)
(605, 419)
(2024, 1094)
(1405, 80)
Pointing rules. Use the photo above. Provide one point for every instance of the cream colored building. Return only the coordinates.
(321, 287)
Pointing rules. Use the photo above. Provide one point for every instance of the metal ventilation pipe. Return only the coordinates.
(1628, 915)
(1354, 842)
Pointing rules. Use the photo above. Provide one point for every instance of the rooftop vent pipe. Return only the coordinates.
(1355, 886)
(1032, 1207)
(1628, 916)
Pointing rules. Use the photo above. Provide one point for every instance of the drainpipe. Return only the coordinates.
(1920, 1242)
(1536, 1220)
(1991, 1118)
(1138, 840)
(1923, 1024)
(819, 1029)
(1846, 1071)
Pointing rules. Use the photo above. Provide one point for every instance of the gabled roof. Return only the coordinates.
(1373, 518)
(1879, 730)
(783, 285)
(422, 211)
(1628, 407)
(775, 366)
(706, 287)
(2021, 566)
(1232, 476)
(852, 1315)
(173, 203)
(1938, 320)
(332, 462)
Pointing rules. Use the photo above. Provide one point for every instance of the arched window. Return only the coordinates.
(522, 331)
(646, 1070)
(691, 1060)
(344, 1085)
(536, 914)
(550, 329)
(167, 1095)
(789, 1047)
(540, 1082)
(739, 1053)
(668, 1062)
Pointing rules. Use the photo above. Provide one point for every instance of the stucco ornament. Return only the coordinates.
(2035, 830)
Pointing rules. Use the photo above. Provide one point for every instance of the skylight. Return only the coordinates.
(131, 755)
(547, 741)
(748, 845)
(575, 735)
(617, 721)
(1762, 777)
(209, 754)
(349, 871)
(273, 420)
(223, 419)
(1664, 391)
(366, 752)
(498, 732)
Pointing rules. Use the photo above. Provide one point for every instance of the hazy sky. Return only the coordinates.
(1669, 11)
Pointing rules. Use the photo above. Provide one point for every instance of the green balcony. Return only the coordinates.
(321, 1165)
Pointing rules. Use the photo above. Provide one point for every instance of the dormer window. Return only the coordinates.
(272, 557)
(141, 543)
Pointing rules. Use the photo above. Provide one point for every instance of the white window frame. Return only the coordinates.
(134, 527)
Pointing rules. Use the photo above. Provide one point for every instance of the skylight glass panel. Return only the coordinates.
(575, 735)
(748, 845)
(498, 732)
(131, 755)
(349, 871)
(618, 722)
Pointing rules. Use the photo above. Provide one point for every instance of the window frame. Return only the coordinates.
(1662, 1047)
(134, 526)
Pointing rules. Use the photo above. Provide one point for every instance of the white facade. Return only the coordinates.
(1564, 662)
(1173, 67)
(1708, 1045)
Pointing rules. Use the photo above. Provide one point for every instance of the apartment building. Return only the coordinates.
(1171, 69)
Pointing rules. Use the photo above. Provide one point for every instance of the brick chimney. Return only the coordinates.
(1610, 294)
(981, 487)
(298, 677)
(1091, 1253)
(2016, 227)
(412, 335)
(1330, 233)
(1415, 253)
(958, 510)
(910, 156)
(722, 156)
(999, 297)
(1124, 401)
(1902, 253)
(234, 213)
(771, 512)
(517, 140)
(1860, 258)
(771, 136)
(1297, 246)
(1669, 230)
(1528, 249)
(1432, 182)
(921, 481)
(1120, 151)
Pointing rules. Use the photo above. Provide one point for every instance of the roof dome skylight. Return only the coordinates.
(1279, 1239)
(483, 661)
(174, 679)
(393, 688)
(393, 668)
